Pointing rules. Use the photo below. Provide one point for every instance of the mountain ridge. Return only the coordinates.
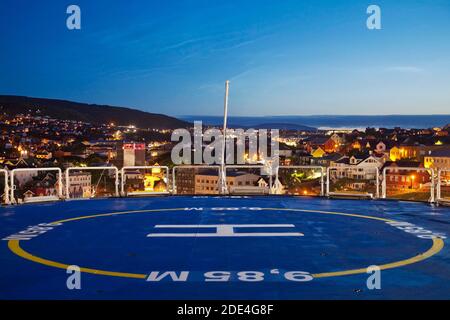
(91, 113)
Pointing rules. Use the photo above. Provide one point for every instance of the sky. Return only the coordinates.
(289, 57)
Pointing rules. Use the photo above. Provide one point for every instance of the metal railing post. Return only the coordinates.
(174, 184)
(378, 184)
(117, 182)
(122, 182)
(67, 184)
(6, 188)
(322, 181)
(328, 182)
(439, 185)
(12, 199)
(60, 187)
(384, 186)
(432, 186)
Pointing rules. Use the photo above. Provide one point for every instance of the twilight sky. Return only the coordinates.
(290, 57)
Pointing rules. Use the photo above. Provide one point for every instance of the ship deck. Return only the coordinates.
(266, 247)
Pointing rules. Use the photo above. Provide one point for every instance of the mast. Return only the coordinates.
(223, 176)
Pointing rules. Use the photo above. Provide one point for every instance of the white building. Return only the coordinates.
(207, 183)
(356, 168)
(80, 184)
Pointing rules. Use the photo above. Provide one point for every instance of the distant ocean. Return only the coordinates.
(330, 122)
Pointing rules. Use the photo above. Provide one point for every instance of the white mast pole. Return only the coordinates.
(223, 177)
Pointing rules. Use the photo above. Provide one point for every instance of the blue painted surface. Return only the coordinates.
(120, 243)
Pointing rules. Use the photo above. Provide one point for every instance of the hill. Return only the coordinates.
(91, 113)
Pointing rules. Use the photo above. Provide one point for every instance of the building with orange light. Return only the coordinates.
(399, 179)
(206, 182)
(438, 159)
(131, 154)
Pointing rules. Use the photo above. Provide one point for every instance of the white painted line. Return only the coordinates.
(225, 230)
(205, 235)
(220, 225)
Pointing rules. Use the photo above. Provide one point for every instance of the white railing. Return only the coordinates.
(112, 168)
(124, 178)
(429, 171)
(175, 168)
(6, 188)
(322, 174)
(41, 198)
(439, 197)
(10, 187)
(356, 172)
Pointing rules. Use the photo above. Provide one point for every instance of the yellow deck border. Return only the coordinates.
(14, 246)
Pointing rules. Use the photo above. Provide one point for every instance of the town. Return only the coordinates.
(355, 159)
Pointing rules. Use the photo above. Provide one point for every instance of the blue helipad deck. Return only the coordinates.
(225, 248)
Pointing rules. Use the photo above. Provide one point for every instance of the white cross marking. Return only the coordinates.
(225, 230)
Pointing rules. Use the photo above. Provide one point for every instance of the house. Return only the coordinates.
(285, 154)
(438, 160)
(440, 133)
(20, 163)
(62, 154)
(207, 181)
(159, 186)
(412, 152)
(356, 145)
(42, 185)
(405, 179)
(331, 146)
(380, 147)
(363, 167)
(338, 139)
(403, 152)
(318, 153)
(316, 142)
(285, 150)
(303, 157)
(80, 184)
(262, 183)
(43, 155)
(277, 185)
(28, 194)
(133, 175)
(326, 160)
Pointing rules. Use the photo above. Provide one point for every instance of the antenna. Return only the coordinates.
(223, 176)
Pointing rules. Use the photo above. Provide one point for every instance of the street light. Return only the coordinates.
(413, 177)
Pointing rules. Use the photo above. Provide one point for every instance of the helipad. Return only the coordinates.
(225, 248)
